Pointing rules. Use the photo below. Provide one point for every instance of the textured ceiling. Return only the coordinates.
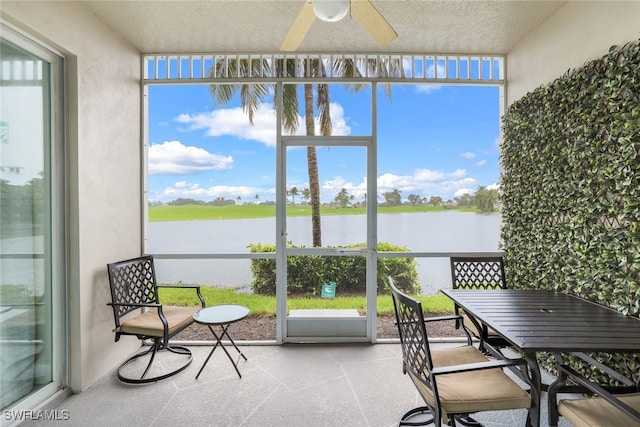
(226, 26)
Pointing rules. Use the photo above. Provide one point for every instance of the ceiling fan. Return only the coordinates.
(334, 10)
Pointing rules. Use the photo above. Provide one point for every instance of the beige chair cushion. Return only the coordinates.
(597, 412)
(472, 327)
(468, 392)
(149, 324)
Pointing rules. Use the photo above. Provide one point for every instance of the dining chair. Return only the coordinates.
(137, 311)
(601, 405)
(454, 382)
(478, 273)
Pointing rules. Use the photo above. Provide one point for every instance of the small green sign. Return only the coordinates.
(328, 290)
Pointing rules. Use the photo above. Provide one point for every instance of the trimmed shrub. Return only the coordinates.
(305, 274)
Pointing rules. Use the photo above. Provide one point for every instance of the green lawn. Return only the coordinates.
(201, 212)
(261, 305)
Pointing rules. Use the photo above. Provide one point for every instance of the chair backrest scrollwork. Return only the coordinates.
(416, 353)
(132, 281)
(478, 273)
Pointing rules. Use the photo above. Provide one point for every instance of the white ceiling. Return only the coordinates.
(227, 26)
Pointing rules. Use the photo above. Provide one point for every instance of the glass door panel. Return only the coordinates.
(26, 235)
(327, 284)
(342, 172)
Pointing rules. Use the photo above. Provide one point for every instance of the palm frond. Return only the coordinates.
(222, 94)
(290, 108)
(346, 67)
(251, 95)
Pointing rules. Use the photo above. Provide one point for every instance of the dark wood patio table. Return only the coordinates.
(537, 321)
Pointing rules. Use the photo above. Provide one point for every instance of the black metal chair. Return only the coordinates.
(478, 273)
(453, 382)
(134, 289)
(614, 406)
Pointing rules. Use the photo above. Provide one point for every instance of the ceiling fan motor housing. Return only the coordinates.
(331, 10)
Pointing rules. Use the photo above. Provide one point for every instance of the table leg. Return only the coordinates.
(560, 382)
(219, 342)
(536, 387)
(210, 354)
(224, 332)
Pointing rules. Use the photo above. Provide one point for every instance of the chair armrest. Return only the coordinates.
(180, 286)
(607, 370)
(458, 320)
(442, 318)
(477, 366)
(598, 390)
(196, 287)
(437, 318)
(135, 304)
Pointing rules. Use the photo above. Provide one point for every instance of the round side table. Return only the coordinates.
(221, 316)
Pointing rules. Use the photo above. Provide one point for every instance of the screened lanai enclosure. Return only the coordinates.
(331, 251)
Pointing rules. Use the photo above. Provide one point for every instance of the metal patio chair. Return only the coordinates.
(453, 382)
(137, 311)
(614, 406)
(478, 273)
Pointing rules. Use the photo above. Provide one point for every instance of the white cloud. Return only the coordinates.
(494, 186)
(467, 155)
(481, 163)
(329, 189)
(173, 157)
(339, 123)
(234, 122)
(194, 190)
(431, 71)
(426, 182)
(439, 71)
(427, 88)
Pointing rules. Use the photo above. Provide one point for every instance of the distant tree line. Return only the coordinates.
(218, 201)
(484, 199)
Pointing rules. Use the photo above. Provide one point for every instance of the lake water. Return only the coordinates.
(419, 232)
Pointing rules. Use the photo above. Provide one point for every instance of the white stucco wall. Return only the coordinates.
(580, 31)
(103, 155)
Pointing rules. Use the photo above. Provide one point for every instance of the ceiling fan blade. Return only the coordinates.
(299, 29)
(368, 16)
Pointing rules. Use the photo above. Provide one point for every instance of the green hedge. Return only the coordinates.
(571, 187)
(305, 274)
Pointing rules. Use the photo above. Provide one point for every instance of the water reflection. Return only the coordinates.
(419, 232)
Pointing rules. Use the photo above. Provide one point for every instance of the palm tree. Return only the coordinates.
(252, 95)
(294, 192)
(486, 199)
(306, 194)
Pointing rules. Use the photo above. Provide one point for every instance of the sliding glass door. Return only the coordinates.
(31, 243)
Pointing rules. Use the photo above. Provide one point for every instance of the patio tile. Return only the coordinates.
(346, 385)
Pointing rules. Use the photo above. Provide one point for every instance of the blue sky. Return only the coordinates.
(432, 140)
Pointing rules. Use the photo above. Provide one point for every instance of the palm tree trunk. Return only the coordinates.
(312, 165)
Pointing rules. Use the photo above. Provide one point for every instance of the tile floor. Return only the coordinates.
(346, 385)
